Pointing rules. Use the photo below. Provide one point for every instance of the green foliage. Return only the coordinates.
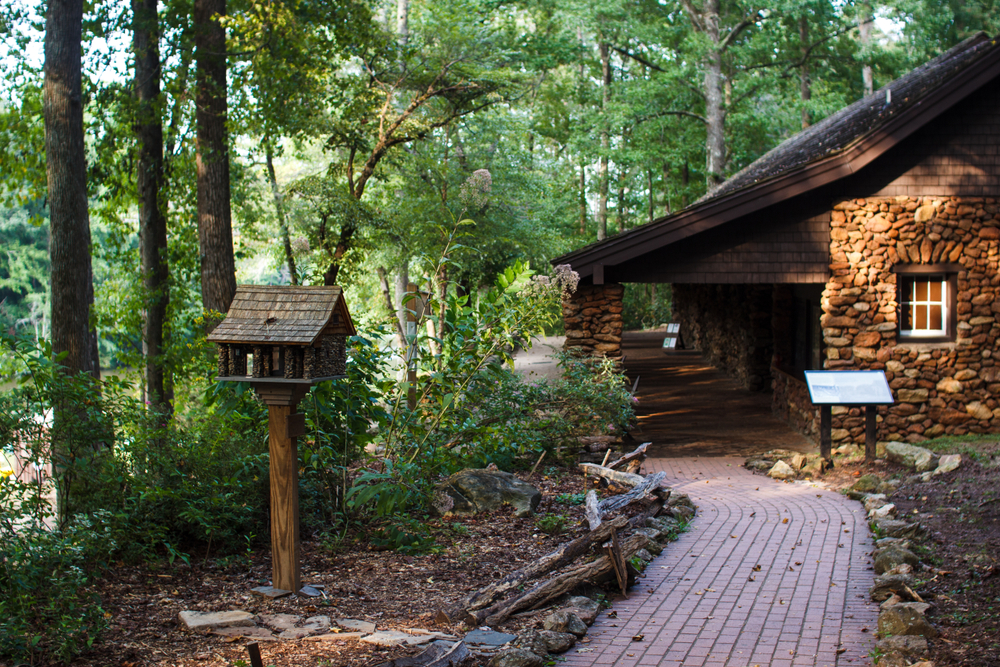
(646, 306)
(571, 498)
(553, 524)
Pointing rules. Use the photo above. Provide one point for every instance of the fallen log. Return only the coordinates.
(648, 485)
(558, 585)
(638, 453)
(623, 478)
(592, 511)
(565, 554)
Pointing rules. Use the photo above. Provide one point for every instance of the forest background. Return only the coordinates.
(155, 154)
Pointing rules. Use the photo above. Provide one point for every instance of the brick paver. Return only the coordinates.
(770, 574)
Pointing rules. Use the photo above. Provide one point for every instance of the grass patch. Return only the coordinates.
(979, 447)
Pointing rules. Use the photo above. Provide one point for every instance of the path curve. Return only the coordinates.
(702, 603)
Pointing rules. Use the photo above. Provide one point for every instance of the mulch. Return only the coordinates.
(395, 590)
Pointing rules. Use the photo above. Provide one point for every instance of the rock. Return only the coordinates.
(317, 624)
(644, 555)
(893, 556)
(331, 636)
(531, 640)
(889, 486)
(867, 483)
(484, 490)
(883, 512)
(760, 465)
(911, 456)
(558, 642)
(396, 638)
(888, 584)
(892, 659)
(583, 607)
(781, 470)
(912, 395)
(438, 654)
(270, 592)
(280, 622)
(565, 621)
(886, 542)
(874, 501)
(909, 646)
(950, 386)
(682, 512)
(664, 523)
(902, 529)
(906, 618)
(484, 637)
(979, 411)
(655, 534)
(815, 467)
(797, 461)
(253, 632)
(947, 463)
(210, 620)
(516, 657)
(680, 500)
(310, 592)
(355, 625)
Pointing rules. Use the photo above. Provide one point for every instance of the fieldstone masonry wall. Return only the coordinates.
(731, 326)
(942, 388)
(593, 318)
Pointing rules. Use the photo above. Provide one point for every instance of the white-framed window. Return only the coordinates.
(926, 304)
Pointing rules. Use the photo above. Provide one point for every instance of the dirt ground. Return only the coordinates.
(392, 589)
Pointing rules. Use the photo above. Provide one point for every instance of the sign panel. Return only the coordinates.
(848, 388)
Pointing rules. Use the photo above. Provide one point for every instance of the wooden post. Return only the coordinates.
(870, 413)
(825, 426)
(284, 499)
(411, 346)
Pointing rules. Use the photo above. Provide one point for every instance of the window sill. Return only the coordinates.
(926, 344)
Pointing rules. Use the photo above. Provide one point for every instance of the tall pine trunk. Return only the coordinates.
(152, 220)
(805, 87)
(66, 172)
(715, 114)
(602, 174)
(215, 231)
(279, 208)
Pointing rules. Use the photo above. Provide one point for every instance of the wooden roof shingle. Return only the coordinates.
(282, 315)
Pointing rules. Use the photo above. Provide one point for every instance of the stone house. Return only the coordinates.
(868, 241)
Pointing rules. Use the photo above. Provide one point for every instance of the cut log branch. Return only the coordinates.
(592, 511)
(638, 453)
(562, 556)
(560, 584)
(649, 485)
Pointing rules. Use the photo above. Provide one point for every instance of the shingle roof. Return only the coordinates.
(843, 128)
(281, 314)
(833, 149)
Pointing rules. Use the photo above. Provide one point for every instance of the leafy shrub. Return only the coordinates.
(553, 524)
(571, 498)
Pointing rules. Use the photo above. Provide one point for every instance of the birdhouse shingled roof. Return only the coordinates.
(282, 315)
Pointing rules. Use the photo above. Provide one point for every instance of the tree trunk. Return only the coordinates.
(403, 20)
(602, 175)
(66, 172)
(279, 208)
(152, 220)
(715, 115)
(652, 198)
(666, 189)
(583, 198)
(402, 282)
(805, 88)
(215, 230)
(622, 208)
(685, 181)
(865, 29)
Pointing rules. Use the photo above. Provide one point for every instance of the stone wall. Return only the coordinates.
(790, 403)
(941, 388)
(593, 318)
(731, 326)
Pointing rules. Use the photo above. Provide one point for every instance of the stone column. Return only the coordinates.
(593, 318)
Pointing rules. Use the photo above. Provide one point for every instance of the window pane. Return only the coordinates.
(921, 290)
(935, 322)
(935, 286)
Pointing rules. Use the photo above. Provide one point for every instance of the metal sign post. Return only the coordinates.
(867, 389)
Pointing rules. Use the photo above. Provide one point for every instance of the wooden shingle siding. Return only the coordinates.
(793, 253)
(956, 155)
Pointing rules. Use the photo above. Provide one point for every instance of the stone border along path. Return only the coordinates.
(704, 603)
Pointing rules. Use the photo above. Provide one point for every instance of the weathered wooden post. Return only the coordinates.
(283, 340)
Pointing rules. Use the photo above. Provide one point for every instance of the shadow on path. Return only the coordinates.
(688, 408)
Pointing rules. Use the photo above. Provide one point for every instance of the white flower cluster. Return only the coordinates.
(475, 192)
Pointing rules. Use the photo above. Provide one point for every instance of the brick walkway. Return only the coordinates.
(704, 602)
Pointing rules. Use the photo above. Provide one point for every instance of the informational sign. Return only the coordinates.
(848, 388)
(673, 334)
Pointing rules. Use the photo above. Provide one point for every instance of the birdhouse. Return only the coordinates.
(284, 333)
